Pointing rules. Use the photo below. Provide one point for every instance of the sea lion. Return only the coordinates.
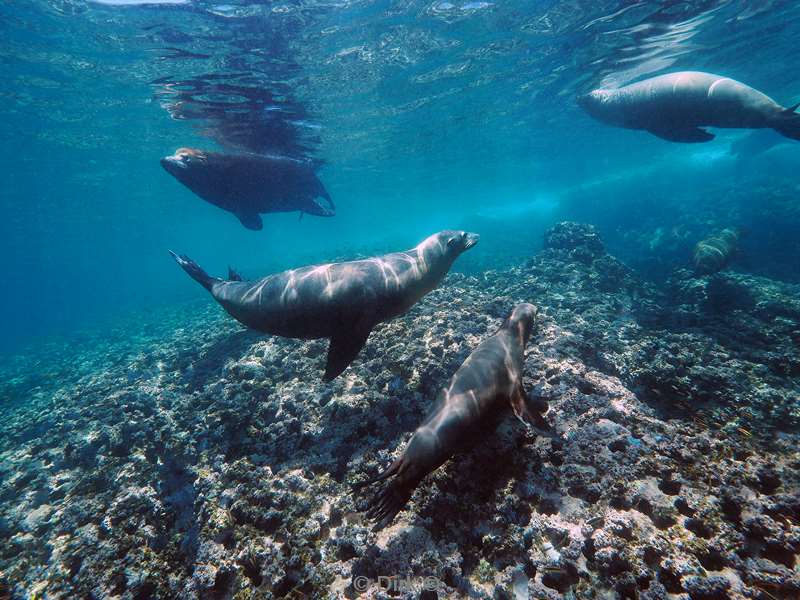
(676, 106)
(249, 184)
(341, 301)
(466, 411)
(714, 253)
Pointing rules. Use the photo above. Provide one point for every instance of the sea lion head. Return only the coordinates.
(184, 159)
(450, 243)
(596, 103)
(522, 319)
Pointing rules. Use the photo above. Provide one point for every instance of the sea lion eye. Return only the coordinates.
(452, 241)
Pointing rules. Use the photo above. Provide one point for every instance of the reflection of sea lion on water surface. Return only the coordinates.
(469, 409)
(676, 106)
(341, 301)
(715, 253)
(250, 184)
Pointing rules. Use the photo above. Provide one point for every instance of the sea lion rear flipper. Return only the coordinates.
(345, 346)
(233, 275)
(788, 124)
(251, 221)
(387, 503)
(691, 135)
(194, 271)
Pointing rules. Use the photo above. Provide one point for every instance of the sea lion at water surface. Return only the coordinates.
(341, 301)
(676, 106)
(250, 184)
(715, 253)
(466, 411)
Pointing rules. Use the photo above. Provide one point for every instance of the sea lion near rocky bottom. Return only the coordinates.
(341, 301)
(677, 106)
(248, 185)
(715, 253)
(466, 411)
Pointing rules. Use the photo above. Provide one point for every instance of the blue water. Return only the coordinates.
(421, 115)
(152, 447)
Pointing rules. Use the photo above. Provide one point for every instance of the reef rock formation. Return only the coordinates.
(191, 459)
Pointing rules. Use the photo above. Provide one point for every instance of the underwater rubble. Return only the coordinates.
(211, 462)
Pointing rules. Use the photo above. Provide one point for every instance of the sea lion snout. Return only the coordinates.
(593, 102)
(182, 159)
(172, 164)
(471, 240)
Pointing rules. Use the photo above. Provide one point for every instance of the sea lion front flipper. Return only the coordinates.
(523, 408)
(345, 346)
(251, 221)
(690, 135)
(530, 410)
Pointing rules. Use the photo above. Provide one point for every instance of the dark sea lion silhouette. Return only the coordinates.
(676, 106)
(341, 301)
(715, 253)
(466, 411)
(250, 184)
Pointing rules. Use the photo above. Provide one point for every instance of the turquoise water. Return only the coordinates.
(422, 115)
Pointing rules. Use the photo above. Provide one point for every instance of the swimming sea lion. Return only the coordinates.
(466, 411)
(714, 253)
(674, 107)
(249, 184)
(341, 301)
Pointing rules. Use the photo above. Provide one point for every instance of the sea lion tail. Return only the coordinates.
(787, 123)
(194, 270)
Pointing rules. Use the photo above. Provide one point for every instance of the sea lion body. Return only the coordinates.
(341, 301)
(250, 184)
(466, 411)
(676, 106)
(715, 253)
